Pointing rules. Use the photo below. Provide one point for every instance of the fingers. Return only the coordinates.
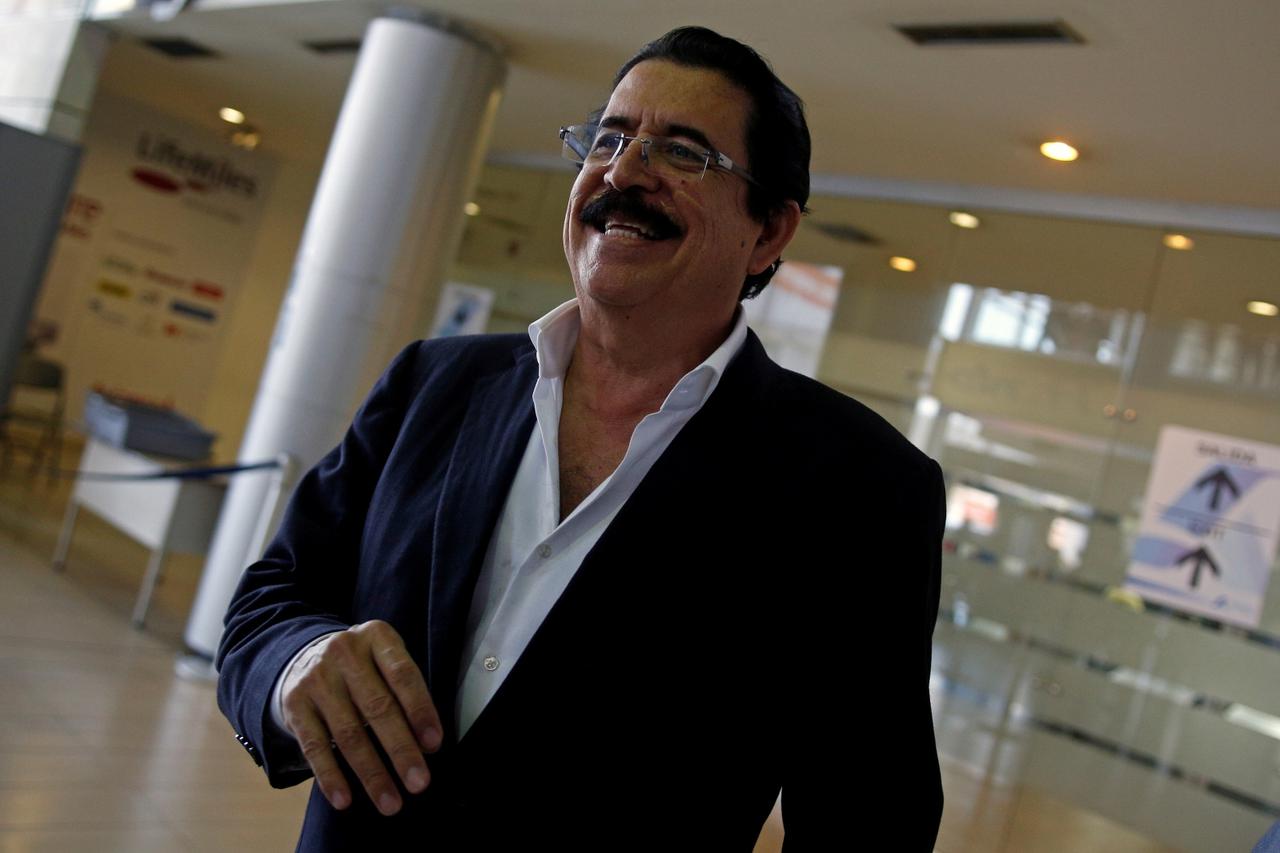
(410, 688)
(362, 675)
(313, 738)
(377, 705)
(352, 740)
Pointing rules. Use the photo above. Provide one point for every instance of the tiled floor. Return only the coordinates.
(103, 748)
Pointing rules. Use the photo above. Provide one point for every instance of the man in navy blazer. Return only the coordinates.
(616, 587)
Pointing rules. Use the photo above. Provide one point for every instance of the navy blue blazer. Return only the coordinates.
(758, 616)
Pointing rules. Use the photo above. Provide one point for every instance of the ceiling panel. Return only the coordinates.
(1171, 100)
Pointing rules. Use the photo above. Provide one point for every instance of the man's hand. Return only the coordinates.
(347, 686)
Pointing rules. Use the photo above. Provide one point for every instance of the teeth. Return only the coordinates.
(628, 227)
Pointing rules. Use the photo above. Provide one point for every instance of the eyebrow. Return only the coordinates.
(616, 122)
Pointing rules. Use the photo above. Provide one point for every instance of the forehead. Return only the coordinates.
(657, 95)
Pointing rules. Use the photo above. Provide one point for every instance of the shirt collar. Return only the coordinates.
(555, 334)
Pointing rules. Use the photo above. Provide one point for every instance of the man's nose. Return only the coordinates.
(630, 168)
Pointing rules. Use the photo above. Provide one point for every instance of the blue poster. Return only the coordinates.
(1209, 525)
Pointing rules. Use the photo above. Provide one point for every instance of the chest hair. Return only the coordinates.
(590, 450)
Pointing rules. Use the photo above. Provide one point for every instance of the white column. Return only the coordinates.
(384, 225)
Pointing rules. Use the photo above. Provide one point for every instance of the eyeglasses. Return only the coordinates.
(588, 145)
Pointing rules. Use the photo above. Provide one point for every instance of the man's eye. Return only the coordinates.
(680, 151)
(606, 142)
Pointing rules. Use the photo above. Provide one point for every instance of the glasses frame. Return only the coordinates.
(575, 133)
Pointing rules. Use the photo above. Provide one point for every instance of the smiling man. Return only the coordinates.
(614, 585)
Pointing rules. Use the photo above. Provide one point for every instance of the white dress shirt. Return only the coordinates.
(532, 555)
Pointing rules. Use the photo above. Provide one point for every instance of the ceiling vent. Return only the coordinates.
(328, 46)
(1024, 32)
(846, 233)
(180, 48)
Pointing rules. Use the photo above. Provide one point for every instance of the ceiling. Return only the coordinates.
(1171, 101)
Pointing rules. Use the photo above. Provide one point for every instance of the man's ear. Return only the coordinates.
(778, 230)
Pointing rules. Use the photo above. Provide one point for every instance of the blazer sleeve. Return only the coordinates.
(862, 750)
(303, 585)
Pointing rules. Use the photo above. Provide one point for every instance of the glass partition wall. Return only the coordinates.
(1037, 359)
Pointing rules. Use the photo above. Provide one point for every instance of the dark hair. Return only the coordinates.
(777, 135)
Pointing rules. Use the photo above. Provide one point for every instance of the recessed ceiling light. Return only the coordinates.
(960, 219)
(901, 264)
(247, 139)
(1056, 149)
(102, 8)
(471, 209)
(231, 114)
(1264, 309)
(1179, 241)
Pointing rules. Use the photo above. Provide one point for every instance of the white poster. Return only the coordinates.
(793, 314)
(154, 246)
(1210, 525)
(463, 310)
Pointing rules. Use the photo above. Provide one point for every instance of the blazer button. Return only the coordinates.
(249, 748)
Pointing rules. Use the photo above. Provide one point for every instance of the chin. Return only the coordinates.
(614, 294)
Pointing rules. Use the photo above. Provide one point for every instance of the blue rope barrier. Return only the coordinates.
(201, 473)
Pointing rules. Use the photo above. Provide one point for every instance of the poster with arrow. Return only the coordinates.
(1210, 525)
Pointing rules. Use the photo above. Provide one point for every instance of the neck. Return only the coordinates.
(625, 363)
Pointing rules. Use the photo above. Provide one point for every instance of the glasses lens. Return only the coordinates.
(679, 155)
(577, 142)
(605, 145)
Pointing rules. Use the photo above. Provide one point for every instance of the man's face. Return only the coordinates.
(702, 243)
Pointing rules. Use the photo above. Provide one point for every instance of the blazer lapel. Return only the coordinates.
(491, 440)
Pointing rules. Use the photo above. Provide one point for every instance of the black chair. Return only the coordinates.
(37, 402)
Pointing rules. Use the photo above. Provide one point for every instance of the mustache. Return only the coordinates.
(629, 205)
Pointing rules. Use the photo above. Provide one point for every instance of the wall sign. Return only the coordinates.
(153, 252)
(1210, 525)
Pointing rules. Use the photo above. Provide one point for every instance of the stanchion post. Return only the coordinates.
(64, 535)
(277, 492)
